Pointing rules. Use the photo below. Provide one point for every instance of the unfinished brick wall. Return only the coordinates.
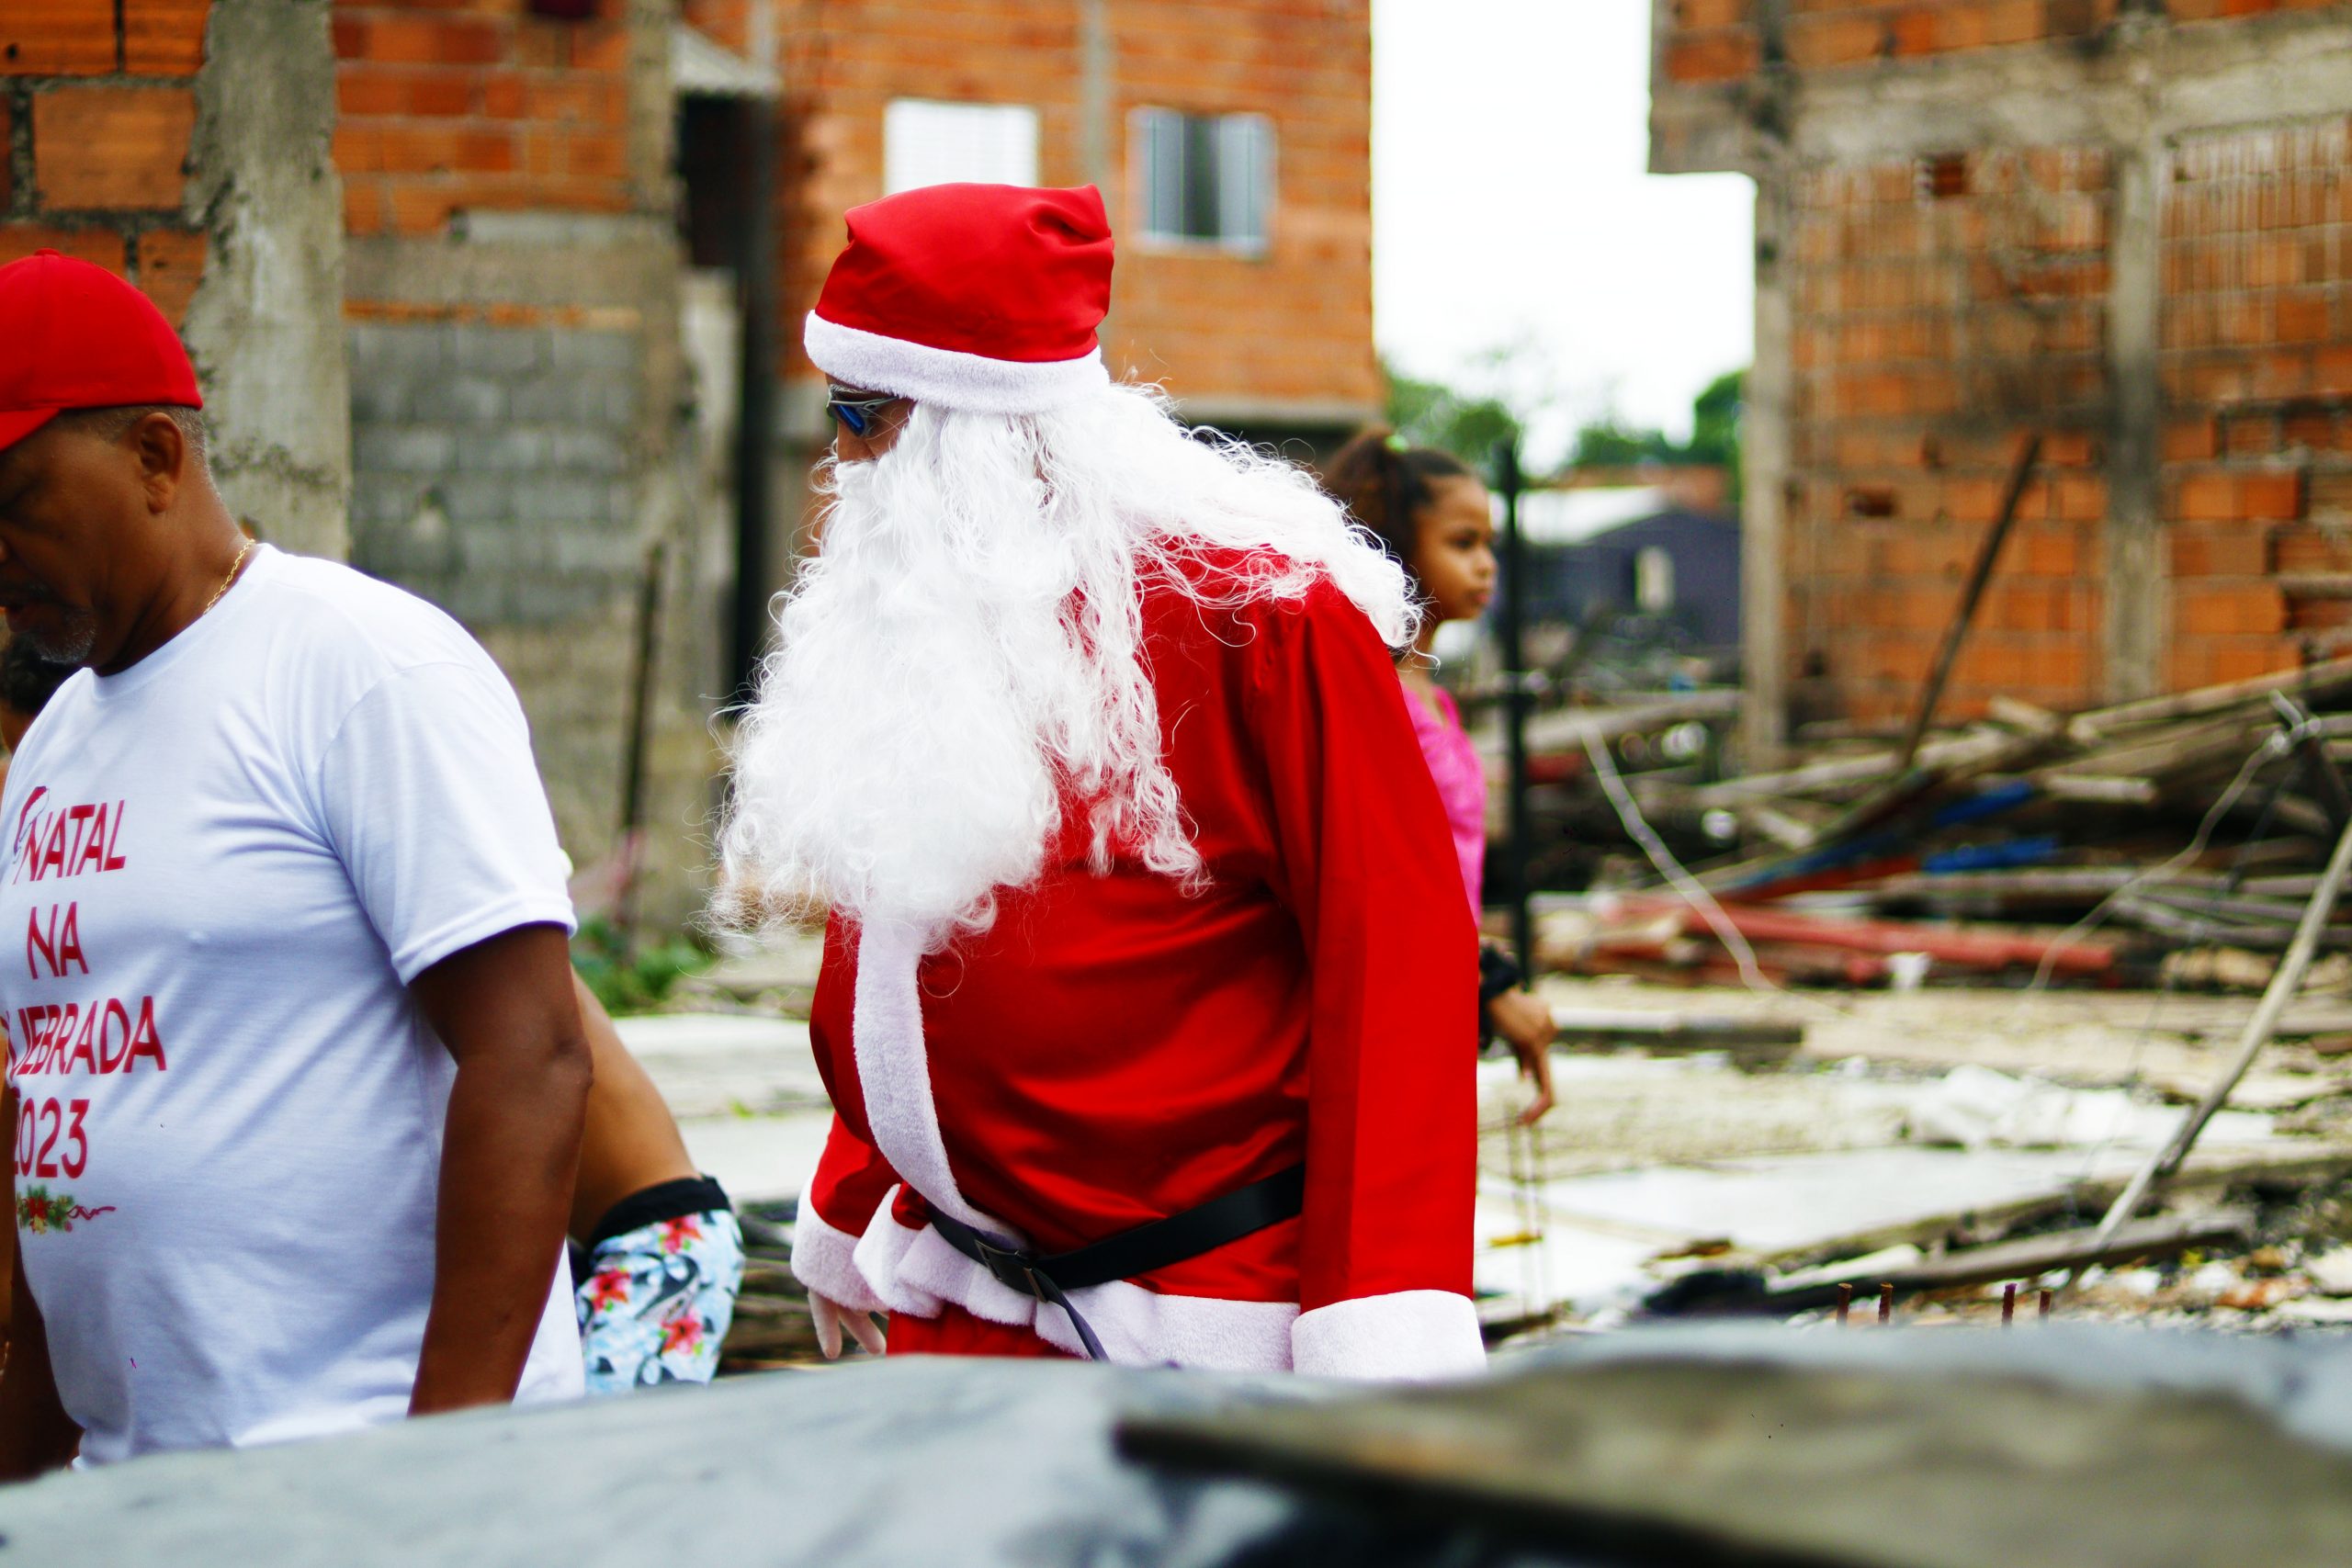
(184, 147)
(1722, 40)
(483, 107)
(1291, 327)
(97, 104)
(2257, 373)
(1942, 309)
(2123, 224)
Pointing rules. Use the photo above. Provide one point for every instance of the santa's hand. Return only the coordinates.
(830, 1316)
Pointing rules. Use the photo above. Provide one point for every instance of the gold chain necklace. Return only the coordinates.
(234, 567)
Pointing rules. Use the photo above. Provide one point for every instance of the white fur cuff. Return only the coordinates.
(821, 1260)
(947, 377)
(1409, 1335)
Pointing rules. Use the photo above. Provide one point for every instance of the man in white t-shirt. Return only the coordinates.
(298, 1066)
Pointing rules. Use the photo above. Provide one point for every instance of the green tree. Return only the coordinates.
(1429, 413)
(1608, 443)
(1714, 421)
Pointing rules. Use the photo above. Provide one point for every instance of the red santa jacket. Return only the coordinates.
(1117, 1048)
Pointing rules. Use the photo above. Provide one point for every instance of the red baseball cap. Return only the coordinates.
(75, 336)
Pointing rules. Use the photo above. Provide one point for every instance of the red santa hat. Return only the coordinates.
(982, 297)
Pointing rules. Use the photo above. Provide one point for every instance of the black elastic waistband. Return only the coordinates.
(662, 1200)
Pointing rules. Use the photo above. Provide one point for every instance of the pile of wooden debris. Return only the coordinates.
(2195, 820)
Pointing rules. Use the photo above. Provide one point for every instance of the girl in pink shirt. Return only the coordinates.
(1432, 515)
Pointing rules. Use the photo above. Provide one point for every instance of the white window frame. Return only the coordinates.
(1243, 139)
(930, 142)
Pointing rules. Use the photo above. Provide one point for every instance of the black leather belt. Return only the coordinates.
(1157, 1245)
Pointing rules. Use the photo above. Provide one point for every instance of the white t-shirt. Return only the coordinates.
(227, 862)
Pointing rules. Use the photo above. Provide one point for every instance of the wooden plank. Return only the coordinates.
(1838, 773)
(2097, 788)
(1963, 616)
(1564, 729)
(2089, 728)
(2030, 717)
(2035, 1255)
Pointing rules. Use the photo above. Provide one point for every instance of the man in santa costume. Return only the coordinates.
(1148, 1000)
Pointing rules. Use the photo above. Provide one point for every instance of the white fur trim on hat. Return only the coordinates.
(946, 377)
(1407, 1335)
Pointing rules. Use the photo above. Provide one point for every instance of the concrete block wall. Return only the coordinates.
(490, 464)
(491, 473)
(1286, 336)
(2121, 224)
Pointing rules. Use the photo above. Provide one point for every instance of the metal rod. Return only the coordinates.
(1987, 552)
(1886, 1303)
(640, 724)
(758, 260)
(2008, 1303)
(1511, 628)
(2284, 983)
(1845, 1303)
(2046, 1297)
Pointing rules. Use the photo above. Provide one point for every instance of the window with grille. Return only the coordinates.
(930, 143)
(1204, 179)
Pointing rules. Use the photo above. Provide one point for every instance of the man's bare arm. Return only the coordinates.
(505, 1008)
(35, 1432)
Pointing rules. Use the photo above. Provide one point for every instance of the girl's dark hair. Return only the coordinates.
(1385, 484)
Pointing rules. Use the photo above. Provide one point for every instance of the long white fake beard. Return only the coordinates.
(964, 656)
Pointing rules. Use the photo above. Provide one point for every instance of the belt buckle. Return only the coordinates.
(1010, 1269)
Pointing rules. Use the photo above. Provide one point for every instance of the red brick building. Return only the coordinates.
(502, 297)
(2124, 224)
(1260, 315)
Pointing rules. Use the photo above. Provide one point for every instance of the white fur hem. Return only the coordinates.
(1413, 1336)
(947, 377)
(822, 1259)
(917, 1272)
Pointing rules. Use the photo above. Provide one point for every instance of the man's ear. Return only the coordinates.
(159, 447)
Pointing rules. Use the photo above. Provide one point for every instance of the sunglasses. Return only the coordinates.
(858, 411)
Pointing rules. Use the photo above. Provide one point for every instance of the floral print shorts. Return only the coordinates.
(657, 1300)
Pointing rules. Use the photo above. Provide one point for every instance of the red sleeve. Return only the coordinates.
(852, 1179)
(1367, 867)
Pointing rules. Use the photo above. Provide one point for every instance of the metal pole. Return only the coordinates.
(1988, 550)
(1516, 694)
(757, 254)
(640, 724)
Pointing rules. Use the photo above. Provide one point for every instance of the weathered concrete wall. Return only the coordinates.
(263, 324)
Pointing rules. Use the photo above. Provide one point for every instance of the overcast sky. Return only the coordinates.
(1512, 213)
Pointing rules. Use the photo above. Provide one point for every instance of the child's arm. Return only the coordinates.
(631, 1142)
